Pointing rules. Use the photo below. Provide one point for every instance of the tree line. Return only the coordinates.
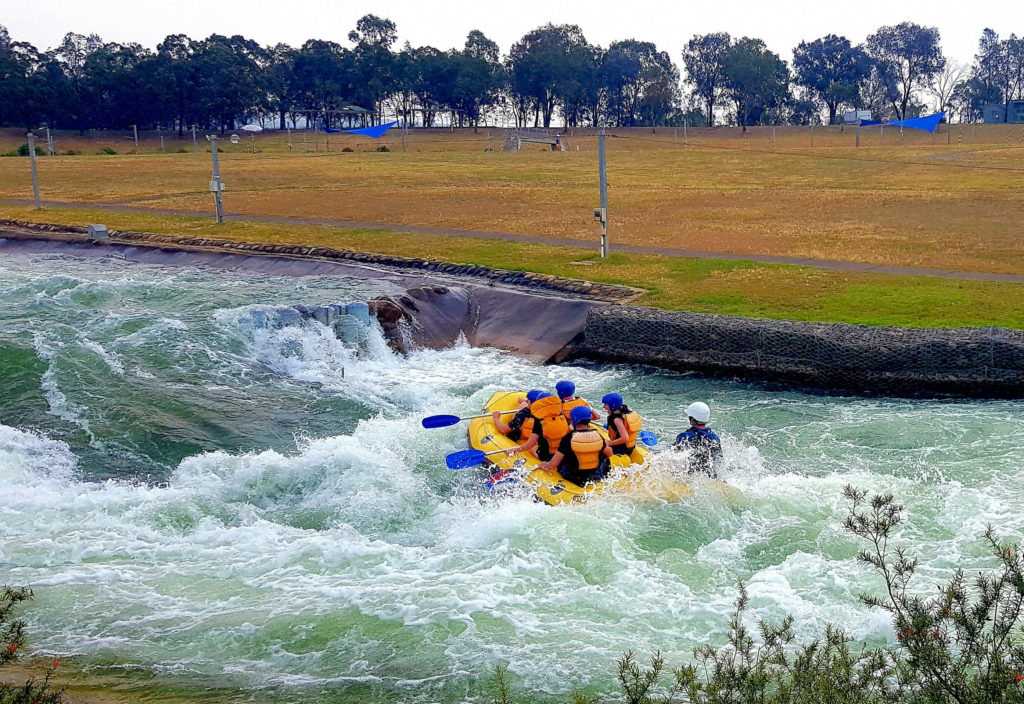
(551, 76)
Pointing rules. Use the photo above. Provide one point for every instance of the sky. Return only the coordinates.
(444, 25)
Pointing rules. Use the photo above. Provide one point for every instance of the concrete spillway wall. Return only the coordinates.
(858, 359)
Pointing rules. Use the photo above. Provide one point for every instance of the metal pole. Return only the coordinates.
(195, 145)
(35, 174)
(161, 144)
(49, 143)
(603, 167)
(216, 185)
(812, 136)
(289, 139)
(858, 135)
(685, 140)
(135, 131)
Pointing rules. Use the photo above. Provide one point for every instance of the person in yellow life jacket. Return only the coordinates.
(623, 424)
(582, 456)
(514, 428)
(566, 390)
(544, 429)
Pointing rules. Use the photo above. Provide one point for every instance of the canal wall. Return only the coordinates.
(548, 318)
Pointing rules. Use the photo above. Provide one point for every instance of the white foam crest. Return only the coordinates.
(30, 462)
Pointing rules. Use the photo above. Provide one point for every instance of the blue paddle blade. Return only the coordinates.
(440, 421)
(464, 458)
(648, 438)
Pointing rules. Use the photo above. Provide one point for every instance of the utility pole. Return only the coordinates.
(135, 131)
(195, 145)
(602, 212)
(49, 143)
(215, 185)
(35, 174)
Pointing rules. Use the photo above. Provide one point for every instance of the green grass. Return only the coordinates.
(730, 287)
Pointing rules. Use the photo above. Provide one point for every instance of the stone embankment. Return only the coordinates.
(839, 358)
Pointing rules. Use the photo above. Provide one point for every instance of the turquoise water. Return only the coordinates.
(201, 503)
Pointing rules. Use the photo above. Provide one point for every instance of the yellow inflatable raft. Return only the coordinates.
(626, 475)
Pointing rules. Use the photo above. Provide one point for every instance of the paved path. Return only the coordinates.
(835, 265)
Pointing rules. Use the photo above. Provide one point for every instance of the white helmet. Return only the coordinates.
(699, 411)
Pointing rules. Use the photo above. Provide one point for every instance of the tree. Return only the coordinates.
(945, 83)
(544, 67)
(12, 641)
(999, 66)
(832, 70)
(910, 55)
(374, 62)
(642, 83)
(478, 76)
(756, 80)
(704, 59)
(280, 80)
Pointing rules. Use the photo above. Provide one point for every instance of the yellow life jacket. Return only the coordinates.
(587, 446)
(632, 422)
(567, 407)
(553, 425)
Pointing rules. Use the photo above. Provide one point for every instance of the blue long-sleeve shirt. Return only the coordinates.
(705, 447)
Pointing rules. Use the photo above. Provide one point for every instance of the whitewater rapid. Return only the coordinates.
(210, 503)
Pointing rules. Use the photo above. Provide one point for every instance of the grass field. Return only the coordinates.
(947, 206)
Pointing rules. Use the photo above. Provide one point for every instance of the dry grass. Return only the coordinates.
(957, 206)
(916, 205)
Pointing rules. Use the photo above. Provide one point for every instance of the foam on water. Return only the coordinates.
(330, 551)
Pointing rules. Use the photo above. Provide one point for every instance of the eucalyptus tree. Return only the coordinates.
(375, 63)
(178, 75)
(642, 83)
(544, 69)
(478, 77)
(756, 80)
(999, 66)
(832, 70)
(910, 55)
(321, 71)
(279, 81)
(704, 58)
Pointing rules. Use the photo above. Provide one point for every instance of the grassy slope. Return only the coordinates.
(732, 287)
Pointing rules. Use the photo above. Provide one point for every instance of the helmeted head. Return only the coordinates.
(564, 389)
(534, 394)
(699, 411)
(580, 414)
(613, 401)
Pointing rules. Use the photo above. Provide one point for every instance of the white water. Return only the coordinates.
(192, 496)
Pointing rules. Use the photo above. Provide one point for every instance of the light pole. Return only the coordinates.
(35, 174)
(215, 185)
(602, 212)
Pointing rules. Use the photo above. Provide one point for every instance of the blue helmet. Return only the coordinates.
(565, 388)
(534, 394)
(613, 401)
(580, 414)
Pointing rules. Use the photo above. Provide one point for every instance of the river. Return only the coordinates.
(204, 505)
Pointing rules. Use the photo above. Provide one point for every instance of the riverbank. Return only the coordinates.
(571, 319)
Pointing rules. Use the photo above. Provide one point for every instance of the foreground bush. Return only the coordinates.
(963, 645)
(12, 642)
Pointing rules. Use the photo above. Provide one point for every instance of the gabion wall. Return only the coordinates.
(860, 359)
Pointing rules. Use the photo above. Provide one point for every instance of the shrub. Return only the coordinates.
(107, 150)
(181, 150)
(961, 645)
(72, 152)
(12, 641)
(347, 149)
(23, 150)
(382, 148)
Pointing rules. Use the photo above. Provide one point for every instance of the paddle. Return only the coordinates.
(444, 421)
(467, 458)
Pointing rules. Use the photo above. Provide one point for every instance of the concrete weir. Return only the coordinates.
(547, 318)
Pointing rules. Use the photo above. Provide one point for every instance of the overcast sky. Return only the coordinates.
(445, 24)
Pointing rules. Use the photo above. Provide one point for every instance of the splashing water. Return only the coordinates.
(215, 504)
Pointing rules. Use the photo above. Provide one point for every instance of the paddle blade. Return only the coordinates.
(648, 438)
(464, 458)
(440, 421)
